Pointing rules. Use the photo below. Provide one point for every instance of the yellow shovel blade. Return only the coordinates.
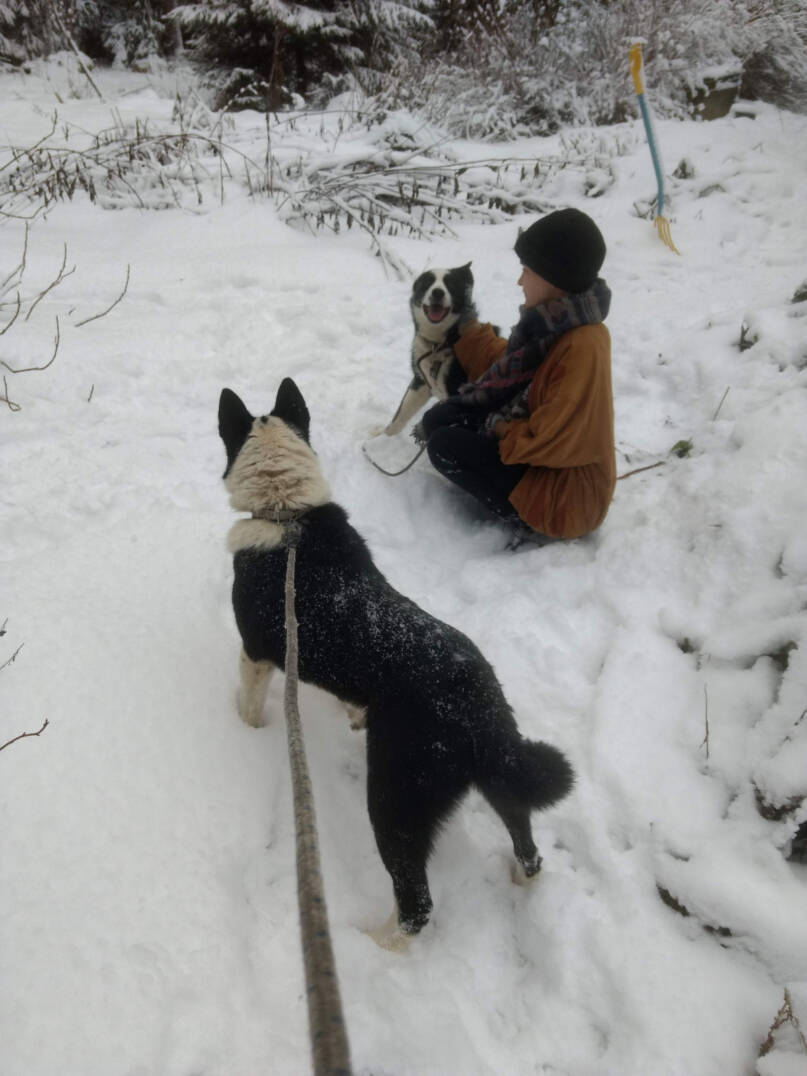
(663, 229)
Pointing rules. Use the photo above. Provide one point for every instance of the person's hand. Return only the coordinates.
(500, 428)
(418, 434)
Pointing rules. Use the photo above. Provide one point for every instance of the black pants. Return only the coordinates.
(471, 459)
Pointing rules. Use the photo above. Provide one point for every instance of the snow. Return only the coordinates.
(148, 917)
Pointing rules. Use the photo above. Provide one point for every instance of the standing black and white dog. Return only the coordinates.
(438, 298)
(437, 720)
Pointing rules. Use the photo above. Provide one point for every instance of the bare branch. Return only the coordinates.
(722, 399)
(11, 405)
(705, 742)
(16, 156)
(29, 369)
(14, 316)
(53, 284)
(13, 656)
(25, 735)
(20, 268)
(103, 313)
(639, 470)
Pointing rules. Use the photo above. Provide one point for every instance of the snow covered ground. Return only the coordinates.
(148, 919)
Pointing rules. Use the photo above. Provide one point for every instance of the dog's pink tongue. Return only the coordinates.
(435, 313)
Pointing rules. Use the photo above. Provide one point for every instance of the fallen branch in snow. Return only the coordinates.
(681, 909)
(30, 369)
(785, 1015)
(639, 470)
(25, 735)
(5, 398)
(722, 399)
(103, 313)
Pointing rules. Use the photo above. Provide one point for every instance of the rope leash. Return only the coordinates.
(422, 449)
(329, 1046)
(392, 474)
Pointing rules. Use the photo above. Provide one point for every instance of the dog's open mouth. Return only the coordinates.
(435, 313)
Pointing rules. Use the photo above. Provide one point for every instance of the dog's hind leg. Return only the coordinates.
(516, 817)
(255, 676)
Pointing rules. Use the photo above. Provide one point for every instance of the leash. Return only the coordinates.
(394, 474)
(329, 1046)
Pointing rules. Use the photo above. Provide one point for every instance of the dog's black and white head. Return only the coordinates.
(270, 463)
(438, 296)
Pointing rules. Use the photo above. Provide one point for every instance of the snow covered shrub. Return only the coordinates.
(775, 69)
(27, 30)
(260, 54)
(128, 164)
(534, 68)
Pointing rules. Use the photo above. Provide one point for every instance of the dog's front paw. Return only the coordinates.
(376, 431)
(250, 714)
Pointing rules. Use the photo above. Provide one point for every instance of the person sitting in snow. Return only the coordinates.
(531, 434)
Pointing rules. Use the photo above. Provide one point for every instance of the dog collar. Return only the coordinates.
(280, 515)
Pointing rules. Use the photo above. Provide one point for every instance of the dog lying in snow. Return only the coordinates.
(438, 298)
(436, 718)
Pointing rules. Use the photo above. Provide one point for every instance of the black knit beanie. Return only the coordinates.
(565, 247)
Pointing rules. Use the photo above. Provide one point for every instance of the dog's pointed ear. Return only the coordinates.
(235, 422)
(466, 270)
(290, 406)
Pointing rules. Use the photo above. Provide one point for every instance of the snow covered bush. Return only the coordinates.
(534, 71)
(260, 54)
(27, 29)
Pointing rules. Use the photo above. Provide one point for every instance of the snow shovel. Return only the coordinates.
(637, 70)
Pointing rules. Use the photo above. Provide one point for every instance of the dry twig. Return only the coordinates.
(639, 470)
(12, 406)
(722, 399)
(60, 276)
(30, 369)
(103, 313)
(25, 735)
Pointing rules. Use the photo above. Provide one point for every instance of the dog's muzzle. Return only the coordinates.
(435, 312)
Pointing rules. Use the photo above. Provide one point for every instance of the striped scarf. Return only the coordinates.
(502, 391)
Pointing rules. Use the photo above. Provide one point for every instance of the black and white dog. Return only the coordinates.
(438, 298)
(436, 718)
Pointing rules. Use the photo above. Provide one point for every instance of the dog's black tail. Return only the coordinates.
(543, 776)
(530, 773)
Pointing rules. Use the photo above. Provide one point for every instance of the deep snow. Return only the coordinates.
(148, 917)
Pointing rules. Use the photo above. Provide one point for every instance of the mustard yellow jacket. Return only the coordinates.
(568, 439)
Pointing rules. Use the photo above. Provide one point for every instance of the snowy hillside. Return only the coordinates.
(148, 918)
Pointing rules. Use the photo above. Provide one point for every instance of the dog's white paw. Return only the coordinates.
(250, 714)
(389, 935)
(519, 876)
(376, 431)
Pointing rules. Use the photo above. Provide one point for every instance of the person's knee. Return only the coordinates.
(439, 448)
(438, 417)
